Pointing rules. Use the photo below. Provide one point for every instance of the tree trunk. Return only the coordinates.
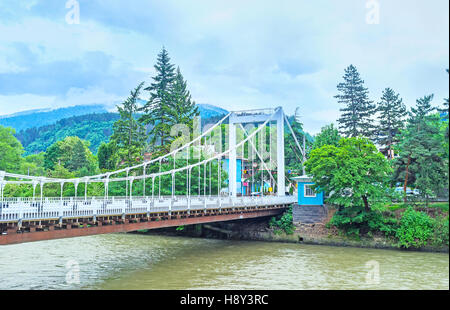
(366, 203)
(406, 177)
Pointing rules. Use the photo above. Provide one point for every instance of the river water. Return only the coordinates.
(131, 261)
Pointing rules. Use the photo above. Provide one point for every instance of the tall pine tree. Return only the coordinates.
(158, 109)
(129, 134)
(355, 119)
(422, 162)
(183, 108)
(390, 120)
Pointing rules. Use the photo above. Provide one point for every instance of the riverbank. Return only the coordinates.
(312, 234)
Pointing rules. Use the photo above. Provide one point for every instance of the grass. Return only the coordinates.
(400, 205)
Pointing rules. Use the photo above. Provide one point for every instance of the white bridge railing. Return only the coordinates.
(27, 209)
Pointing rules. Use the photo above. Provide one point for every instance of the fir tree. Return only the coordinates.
(422, 162)
(392, 111)
(157, 109)
(356, 117)
(183, 108)
(129, 135)
(422, 109)
(445, 113)
(79, 158)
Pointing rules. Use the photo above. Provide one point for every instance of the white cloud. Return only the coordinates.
(249, 53)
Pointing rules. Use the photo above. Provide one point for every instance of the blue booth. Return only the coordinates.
(306, 194)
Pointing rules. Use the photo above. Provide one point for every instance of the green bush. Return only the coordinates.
(356, 222)
(441, 231)
(284, 223)
(416, 228)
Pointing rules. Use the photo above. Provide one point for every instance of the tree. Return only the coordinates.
(423, 161)
(390, 120)
(182, 107)
(412, 134)
(353, 173)
(293, 156)
(73, 154)
(356, 117)
(79, 158)
(329, 135)
(129, 134)
(10, 150)
(107, 156)
(445, 112)
(157, 109)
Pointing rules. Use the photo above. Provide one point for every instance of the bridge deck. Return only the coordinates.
(25, 220)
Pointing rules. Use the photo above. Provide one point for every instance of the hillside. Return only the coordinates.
(93, 127)
(29, 119)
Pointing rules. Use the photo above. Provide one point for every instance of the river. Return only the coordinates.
(132, 261)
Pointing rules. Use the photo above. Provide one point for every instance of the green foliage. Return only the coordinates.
(356, 222)
(129, 134)
(356, 117)
(107, 156)
(182, 107)
(283, 223)
(441, 231)
(390, 119)
(36, 118)
(415, 229)
(95, 128)
(354, 173)
(157, 109)
(423, 160)
(329, 135)
(73, 154)
(10, 150)
(292, 155)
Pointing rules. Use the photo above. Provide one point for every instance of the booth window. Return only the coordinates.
(309, 192)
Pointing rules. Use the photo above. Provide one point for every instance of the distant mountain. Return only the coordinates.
(41, 117)
(27, 112)
(209, 110)
(38, 118)
(87, 122)
(95, 128)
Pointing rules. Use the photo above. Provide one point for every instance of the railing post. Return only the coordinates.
(143, 189)
(76, 188)
(94, 211)
(173, 185)
(41, 207)
(281, 186)
(34, 190)
(2, 186)
(232, 157)
(85, 189)
(131, 192)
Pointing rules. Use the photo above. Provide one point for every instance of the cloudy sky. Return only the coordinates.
(234, 54)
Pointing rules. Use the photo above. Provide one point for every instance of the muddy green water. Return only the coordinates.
(129, 261)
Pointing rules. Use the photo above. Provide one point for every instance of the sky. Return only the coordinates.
(233, 54)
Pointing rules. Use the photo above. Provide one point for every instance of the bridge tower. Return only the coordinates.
(257, 117)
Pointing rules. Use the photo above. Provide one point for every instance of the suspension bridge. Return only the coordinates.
(188, 185)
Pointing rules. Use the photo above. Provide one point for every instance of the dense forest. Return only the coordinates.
(30, 119)
(95, 128)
